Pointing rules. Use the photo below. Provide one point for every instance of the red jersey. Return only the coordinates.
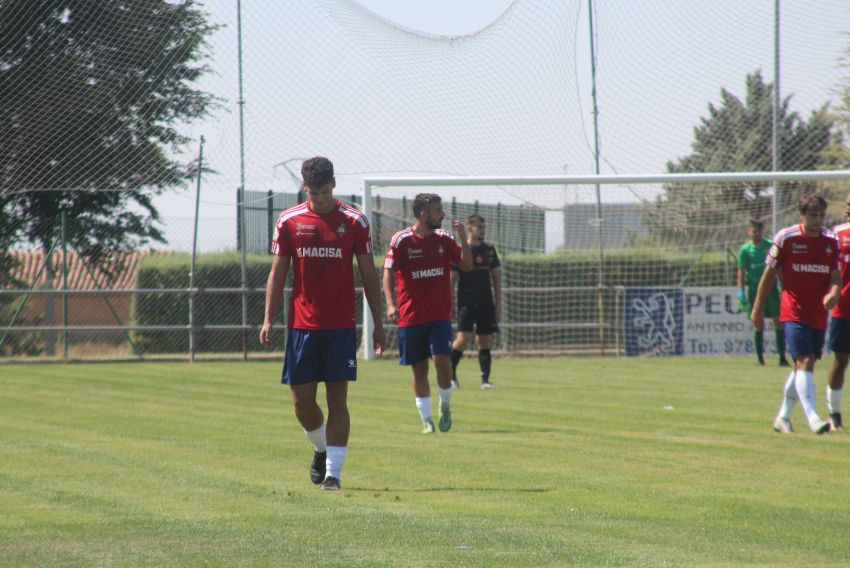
(842, 309)
(322, 247)
(423, 267)
(805, 264)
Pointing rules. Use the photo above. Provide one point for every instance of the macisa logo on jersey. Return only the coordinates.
(318, 252)
(426, 273)
(817, 268)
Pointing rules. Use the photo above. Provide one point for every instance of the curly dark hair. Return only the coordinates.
(317, 172)
(811, 201)
(424, 200)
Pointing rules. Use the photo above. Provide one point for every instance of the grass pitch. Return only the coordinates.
(650, 462)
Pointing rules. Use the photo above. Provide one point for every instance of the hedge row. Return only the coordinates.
(621, 268)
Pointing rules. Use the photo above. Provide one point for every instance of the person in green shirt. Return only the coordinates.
(751, 260)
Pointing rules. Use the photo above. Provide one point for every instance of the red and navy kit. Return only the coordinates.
(805, 264)
(322, 247)
(423, 274)
(842, 233)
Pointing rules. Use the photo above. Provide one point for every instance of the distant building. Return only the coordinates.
(620, 223)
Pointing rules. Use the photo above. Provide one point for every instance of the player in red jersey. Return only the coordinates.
(419, 265)
(807, 256)
(320, 238)
(839, 327)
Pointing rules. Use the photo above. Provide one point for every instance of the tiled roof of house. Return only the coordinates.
(82, 275)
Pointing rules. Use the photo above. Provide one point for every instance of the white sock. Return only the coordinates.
(833, 399)
(789, 400)
(806, 393)
(423, 405)
(317, 436)
(445, 395)
(335, 461)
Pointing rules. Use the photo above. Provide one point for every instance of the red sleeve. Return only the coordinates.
(774, 256)
(362, 239)
(281, 245)
(389, 261)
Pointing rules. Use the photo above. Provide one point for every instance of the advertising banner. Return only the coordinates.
(689, 321)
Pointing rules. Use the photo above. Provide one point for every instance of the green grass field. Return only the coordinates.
(650, 462)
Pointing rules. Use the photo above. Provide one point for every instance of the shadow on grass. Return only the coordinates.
(448, 490)
(515, 431)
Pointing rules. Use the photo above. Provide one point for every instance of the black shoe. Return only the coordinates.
(761, 359)
(330, 484)
(836, 422)
(783, 362)
(317, 468)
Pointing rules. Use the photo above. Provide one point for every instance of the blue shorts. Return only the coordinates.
(319, 355)
(417, 343)
(803, 340)
(839, 335)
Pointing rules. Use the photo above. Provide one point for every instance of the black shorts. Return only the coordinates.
(481, 316)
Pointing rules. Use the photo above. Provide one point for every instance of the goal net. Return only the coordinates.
(545, 87)
(615, 265)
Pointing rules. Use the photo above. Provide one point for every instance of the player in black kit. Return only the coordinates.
(478, 305)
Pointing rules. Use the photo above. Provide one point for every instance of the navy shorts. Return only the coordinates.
(478, 317)
(839, 335)
(803, 340)
(417, 343)
(319, 355)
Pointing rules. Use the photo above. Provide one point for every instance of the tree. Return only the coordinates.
(737, 136)
(93, 93)
(839, 152)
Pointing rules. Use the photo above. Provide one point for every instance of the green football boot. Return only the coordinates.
(445, 418)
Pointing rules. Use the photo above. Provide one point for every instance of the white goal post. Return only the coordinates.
(371, 183)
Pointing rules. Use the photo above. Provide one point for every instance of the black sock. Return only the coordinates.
(484, 363)
(455, 357)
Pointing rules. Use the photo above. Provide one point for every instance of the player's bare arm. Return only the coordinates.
(369, 276)
(389, 295)
(465, 263)
(497, 289)
(274, 293)
(765, 284)
(831, 299)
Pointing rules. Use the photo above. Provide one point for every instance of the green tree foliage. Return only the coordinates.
(737, 136)
(93, 93)
(839, 152)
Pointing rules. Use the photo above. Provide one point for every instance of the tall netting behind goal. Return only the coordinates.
(613, 265)
(130, 117)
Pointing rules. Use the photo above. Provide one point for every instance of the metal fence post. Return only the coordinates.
(270, 219)
(192, 338)
(64, 222)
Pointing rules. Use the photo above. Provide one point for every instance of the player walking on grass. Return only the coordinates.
(476, 308)
(806, 255)
(320, 237)
(751, 259)
(839, 327)
(418, 267)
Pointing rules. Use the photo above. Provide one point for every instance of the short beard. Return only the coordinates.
(434, 224)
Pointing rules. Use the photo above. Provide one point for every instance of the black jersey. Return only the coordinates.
(474, 286)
